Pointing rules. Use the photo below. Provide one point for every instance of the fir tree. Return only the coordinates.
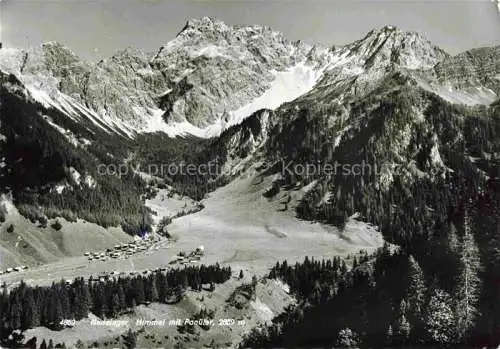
(31, 344)
(115, 305)
(129, 339)
(402, 324)
(415, 294)
(79, 344)
(389, 335)
(31, 316)
(154, 289)
(440, 320)
(15, 314)
(468, 285)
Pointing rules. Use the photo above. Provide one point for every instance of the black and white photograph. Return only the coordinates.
(233, 174)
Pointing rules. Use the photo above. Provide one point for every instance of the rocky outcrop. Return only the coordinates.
(225, 67)
(474, 68)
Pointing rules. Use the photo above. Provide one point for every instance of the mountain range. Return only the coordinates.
(424, 123)
(212, 76)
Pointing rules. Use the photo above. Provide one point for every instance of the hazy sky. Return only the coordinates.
(94, 29)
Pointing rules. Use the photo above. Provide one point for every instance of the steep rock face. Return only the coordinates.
(207, 71)
(470, 78)
(360, 66)
(57, 78)
(123, 86)
(391, 46)
(473, 68)
(50, 68)
(221, 68)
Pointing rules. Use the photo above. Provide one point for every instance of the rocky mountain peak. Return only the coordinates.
(204, 24)
(129, 57)
(392, 46)
(209, 30)
(56, 56)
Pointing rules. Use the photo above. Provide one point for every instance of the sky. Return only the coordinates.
(95, 29)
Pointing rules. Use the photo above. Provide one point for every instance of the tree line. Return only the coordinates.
(26, 307)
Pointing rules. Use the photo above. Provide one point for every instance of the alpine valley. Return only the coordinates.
(104, 183)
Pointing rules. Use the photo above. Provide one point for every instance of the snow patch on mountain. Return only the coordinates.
(210, 51)
(470, 96)
(156, 123)
(287, 86)
(40, 96)
(182, 75)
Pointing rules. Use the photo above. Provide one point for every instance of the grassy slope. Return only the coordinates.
(44, 245)
(241, 227)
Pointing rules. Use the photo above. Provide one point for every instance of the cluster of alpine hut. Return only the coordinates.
(12, 270)
(123, 250)
(192, 257)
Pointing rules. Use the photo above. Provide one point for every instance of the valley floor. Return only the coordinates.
(238, 227)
